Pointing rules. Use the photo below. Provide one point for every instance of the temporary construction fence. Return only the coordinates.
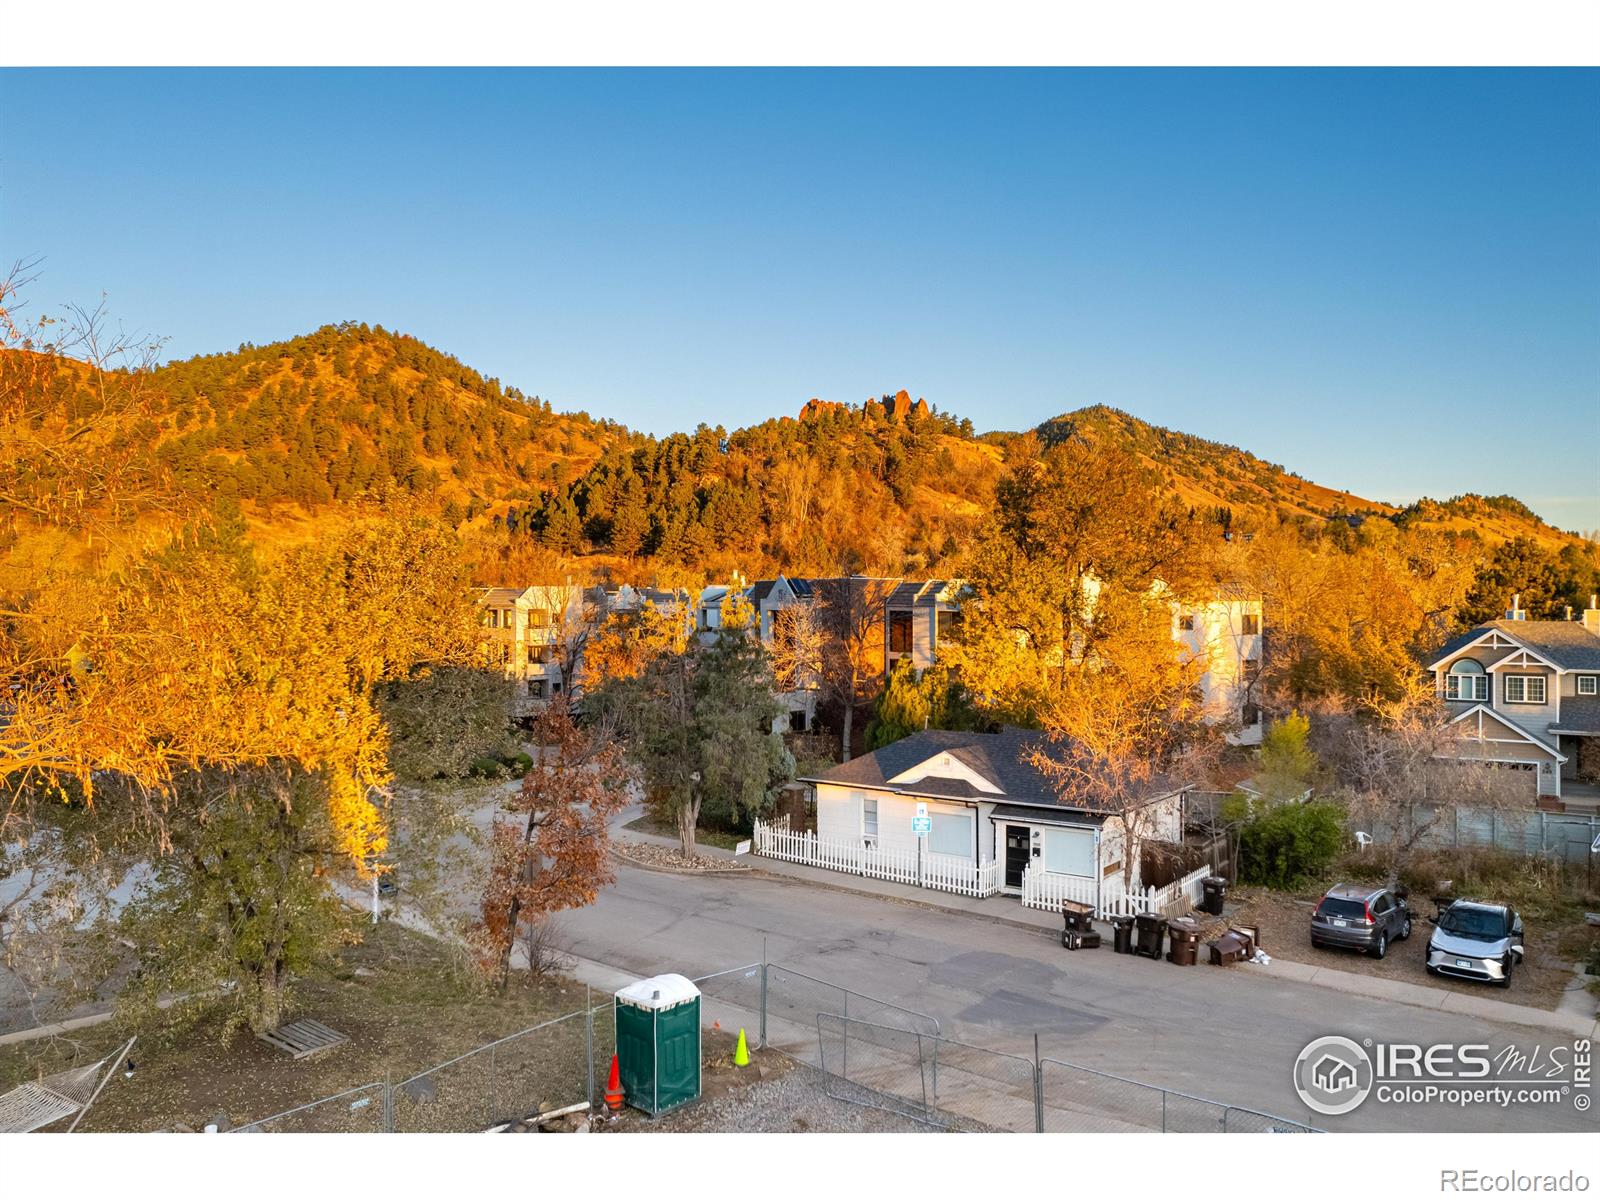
(363, 1109)
(1108, 898)
(794, 998)
(919, 867)
(871, 1051)
(1076, 1099)
(549, 1065)
(950, 1084)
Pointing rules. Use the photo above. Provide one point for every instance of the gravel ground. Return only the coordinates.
(790, 1102)
(1285, 922)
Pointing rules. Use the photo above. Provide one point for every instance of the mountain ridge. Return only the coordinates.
(351, 413)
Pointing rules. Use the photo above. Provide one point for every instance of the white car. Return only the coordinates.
(1472, 940)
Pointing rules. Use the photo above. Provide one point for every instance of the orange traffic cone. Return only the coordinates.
(614, 1087)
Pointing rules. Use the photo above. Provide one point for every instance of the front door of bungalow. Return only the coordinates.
(1018, 843)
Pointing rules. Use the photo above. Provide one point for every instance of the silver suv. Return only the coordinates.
(1358, 916)
(1476, 941)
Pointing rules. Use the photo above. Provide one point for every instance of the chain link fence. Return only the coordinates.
(542, 1067)
(933, 1079)
(955, 1085)
(794, 998)
(361, 1109)
(1076, 1099)
(871, 1052)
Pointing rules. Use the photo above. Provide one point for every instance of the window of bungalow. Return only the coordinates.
(1587, 685)
(1466, 681)
(951, 834)
(1186, 622)
(1069, 852)
(947, 622)
(869, 817)
(1250, 624)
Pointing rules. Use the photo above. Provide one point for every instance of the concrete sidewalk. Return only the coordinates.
(1007, 910)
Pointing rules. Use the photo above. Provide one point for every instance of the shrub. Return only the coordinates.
(1287, 845)
(519, 763)
(487, 768)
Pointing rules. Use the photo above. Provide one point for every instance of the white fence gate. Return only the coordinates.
(1040, 889)
(942, 872)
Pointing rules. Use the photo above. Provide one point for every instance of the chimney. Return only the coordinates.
(1591, 616)
(1515, 613)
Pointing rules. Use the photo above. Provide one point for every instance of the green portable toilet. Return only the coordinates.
(658, 1042)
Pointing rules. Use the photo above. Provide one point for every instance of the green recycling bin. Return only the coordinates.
(658, 1043)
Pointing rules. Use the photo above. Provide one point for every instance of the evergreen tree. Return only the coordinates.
(630, 523)
(699, 724)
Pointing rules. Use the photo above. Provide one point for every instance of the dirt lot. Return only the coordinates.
(1285, 920)
(405, 1004)
(774, 1094)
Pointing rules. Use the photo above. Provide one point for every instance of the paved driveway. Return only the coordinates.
(1227, 1035)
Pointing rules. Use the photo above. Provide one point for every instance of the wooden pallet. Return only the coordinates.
(301, 1039)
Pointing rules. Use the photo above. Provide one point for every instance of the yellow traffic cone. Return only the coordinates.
(741, 1052)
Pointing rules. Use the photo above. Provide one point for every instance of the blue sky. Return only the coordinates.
(1386, 281)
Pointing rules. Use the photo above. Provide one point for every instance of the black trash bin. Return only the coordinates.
(1216, 889)
(1122, 935)
(1183, 939)
(1152, 932)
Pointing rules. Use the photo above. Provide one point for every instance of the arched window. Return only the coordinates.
(1466, 681)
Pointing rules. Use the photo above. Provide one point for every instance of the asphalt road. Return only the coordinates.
(1227, 1035)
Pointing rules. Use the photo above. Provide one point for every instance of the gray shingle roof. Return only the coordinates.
(1024, 812)
(1579, 714)
(1566, 643)
(1004, 758)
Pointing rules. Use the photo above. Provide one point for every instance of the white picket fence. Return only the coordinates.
(942, 872)
(1040, 889)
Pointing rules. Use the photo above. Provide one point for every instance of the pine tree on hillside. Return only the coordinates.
(630, 523)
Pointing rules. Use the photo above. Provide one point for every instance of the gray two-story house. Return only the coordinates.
(1526, 695)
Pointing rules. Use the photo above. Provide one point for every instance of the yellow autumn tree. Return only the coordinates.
(212, 711)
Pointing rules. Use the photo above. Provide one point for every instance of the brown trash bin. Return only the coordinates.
(1183, 940)
(1229, 948)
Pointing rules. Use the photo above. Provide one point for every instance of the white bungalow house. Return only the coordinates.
(993, 824)
(1526, 695)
